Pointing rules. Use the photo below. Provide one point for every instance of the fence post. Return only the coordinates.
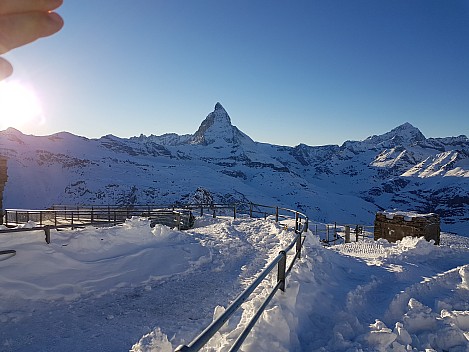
(201, 210)
(298, 246)
(356, 233)
(347, 234)
(282, 267)
(40, 218)
(234, 211)
(47, 233)
(92, 214)
(276, 215)
(214, 214)
(250, 210)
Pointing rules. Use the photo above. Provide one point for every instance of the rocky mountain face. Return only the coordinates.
(346, 184)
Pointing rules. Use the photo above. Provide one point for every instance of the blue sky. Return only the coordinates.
(287, 72)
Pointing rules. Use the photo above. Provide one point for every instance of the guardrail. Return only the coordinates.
(76, 217)
(335, 233)
(280, 262)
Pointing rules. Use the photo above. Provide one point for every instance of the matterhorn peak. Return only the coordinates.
(217, 129)
(220, 114)
(218, 106)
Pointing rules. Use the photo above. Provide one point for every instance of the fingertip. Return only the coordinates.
(6, 69)
(56, 19)
(53, 4)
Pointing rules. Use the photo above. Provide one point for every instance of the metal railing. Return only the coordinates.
(337, 233)
(280, 262)
(76, 217)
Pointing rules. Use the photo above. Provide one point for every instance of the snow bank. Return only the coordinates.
(350, 299)
(94, 260)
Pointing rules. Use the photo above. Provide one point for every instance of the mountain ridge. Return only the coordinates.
(348, 183)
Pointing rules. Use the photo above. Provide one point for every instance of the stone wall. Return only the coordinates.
(394, 226)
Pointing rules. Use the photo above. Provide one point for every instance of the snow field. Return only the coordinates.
(134, 287)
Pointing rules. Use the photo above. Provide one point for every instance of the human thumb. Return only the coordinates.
(5, 69)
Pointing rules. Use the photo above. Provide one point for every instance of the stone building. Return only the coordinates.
(394, 226)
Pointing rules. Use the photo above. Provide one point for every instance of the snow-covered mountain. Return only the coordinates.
(400, 169)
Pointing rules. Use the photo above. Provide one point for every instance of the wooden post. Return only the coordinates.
(234, 211)
(250, 210)
(276, 215)
(281, 274)
(347, 234)
(47, 233)
(296, 222)
(298, 246)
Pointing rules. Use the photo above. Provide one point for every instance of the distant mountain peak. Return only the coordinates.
(218, 106)
(217, 129)
(405, 134)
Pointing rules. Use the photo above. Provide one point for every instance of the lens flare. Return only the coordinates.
(19, 106)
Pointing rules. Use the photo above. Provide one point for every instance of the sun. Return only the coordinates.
(19, 106)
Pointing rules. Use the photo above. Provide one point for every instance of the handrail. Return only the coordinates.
(280, 260)
(116, 213)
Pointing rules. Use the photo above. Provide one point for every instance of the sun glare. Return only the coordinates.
(19, 106)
